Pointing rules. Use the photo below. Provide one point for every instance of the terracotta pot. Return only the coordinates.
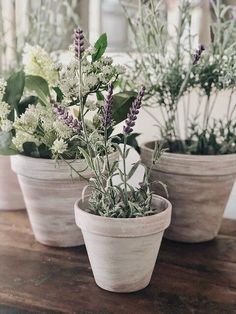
(123, 251)
(50, 194)
(199, 188)
(11, 197)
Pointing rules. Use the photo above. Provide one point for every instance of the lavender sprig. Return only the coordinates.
(198, 53)
(107, 108)
(68, 119)
(79, 42)
(133, 112)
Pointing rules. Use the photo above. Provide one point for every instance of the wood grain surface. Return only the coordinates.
(188, 278)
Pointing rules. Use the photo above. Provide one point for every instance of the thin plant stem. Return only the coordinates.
(108, 165)
(232, 112)
(207, 104)
(229, 104)
(185, 117)
(85, 128)
(212, 107)
(124, 170)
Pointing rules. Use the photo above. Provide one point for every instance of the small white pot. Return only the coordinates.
(11, 197)
(123, 251)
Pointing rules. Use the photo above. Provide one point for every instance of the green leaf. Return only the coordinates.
(38, 85)
(121, 105)
(14, 91)
(100, 45)
(5, 144)
(131, 140)
(86, 157)
(44, 151)
(59, 93)
(31, 149)
(24, 104)
(133, 169)
(99, 96)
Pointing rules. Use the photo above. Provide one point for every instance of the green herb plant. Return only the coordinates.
(164, 63)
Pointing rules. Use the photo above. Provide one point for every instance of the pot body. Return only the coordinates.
(49, 193)
(11, 197)
(123, 251)
(199, 188)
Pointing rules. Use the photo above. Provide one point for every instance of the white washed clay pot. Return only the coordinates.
(123, 251)
(50, 193)
(199, 188)
(11, 197)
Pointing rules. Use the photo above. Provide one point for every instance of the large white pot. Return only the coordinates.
(123, 251)
(11, 197)
(49, 193)
(199, 188)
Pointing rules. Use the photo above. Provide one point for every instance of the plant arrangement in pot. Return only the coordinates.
(48, 150)
(122, 226)
(13, 41)
(199, 164)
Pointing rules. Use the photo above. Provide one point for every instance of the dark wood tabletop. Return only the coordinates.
(199, 278)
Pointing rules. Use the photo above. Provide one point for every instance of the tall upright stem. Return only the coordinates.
(108, 167)
(124, 170)
(85, 129)
(206, 113)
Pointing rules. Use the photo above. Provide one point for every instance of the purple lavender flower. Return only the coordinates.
(197, 54)
(79, 42)
(68, 119)
(107, 108)
(133, 112)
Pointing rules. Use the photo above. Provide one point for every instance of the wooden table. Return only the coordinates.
(198, 278)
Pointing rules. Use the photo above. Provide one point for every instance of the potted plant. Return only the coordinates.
(10, 93)
(48, 147)
(122, 226)
(10, 194)
(199, 164)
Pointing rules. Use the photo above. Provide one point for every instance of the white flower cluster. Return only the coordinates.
(5, 124)
(59, 146)
(4, 110)
(22, 137)
(69, 82)
(95, 75)
(3, 85)
(40, 125)
(39, 63)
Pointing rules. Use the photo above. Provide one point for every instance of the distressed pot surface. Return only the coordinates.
(199, 188)
(11, 197)
(123, 252)
(49, 194)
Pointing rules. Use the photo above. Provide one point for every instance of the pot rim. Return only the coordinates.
(50, 169)
(191, 165)
(124, 227)
(190, 157)
(52, 161)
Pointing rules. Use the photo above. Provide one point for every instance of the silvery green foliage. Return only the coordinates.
(109, 199)
(164, 63)
(119, 200)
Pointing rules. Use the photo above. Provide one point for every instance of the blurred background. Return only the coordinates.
(50, 23)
